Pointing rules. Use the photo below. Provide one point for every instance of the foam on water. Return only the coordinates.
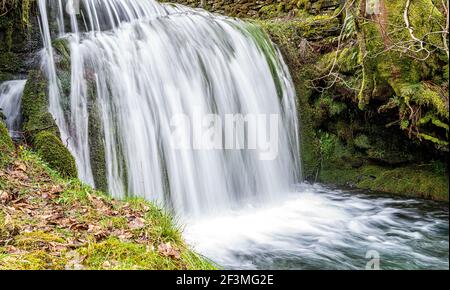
(147, 62)
(321, 228)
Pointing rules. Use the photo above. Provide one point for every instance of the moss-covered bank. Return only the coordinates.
(372, 116)
(49, 222)
(6, 146)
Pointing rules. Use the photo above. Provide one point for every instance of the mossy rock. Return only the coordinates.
(96, 142)
(40, 127)
(6, 146)
(35, 105)
(53, 151)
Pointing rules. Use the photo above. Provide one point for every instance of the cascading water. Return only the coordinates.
(135, 65)
(10, 102)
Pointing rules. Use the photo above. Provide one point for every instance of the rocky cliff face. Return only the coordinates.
(19, 38)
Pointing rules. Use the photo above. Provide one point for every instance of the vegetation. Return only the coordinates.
(372, 84)
(50, 148)
(40, 128)
(16, 41)
(48, 222)
(370, 95)
(6, 145)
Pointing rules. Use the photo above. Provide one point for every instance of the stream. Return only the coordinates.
(318, 227)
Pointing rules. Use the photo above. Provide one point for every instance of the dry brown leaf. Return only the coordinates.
(13, 250)
(137, 223)
(7, 220)
(78, 226)
(122, 235)
(167, 250)
(20, 166)
(4, 197)
(93, 228)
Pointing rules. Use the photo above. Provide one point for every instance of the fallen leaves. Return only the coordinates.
(33, 208)
(137, 223)
(4, 197)
(74, 261)
(167, 250)
(51, 191)
(20, 166)
(14, 251)
(110, 264)
(122, 235)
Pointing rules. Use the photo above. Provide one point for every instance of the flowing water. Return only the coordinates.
(10, 102)
(322, 228)
(147, 63)
(135, 64)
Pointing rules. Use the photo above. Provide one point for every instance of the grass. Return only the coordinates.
(50, 222)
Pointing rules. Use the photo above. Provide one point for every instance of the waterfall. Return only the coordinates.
(10, 103)
(135, 64)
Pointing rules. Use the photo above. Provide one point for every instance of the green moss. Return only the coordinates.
(40, 127)
(417, 84)
(3, 232)
(14, 34)
(101, 225)
(6, 146)
(285, 32)
(288, 34)
(309, 144)
(332, 107)
(36, 239)
(35, 105)
(10, 62)
(132, 256)
(407, 180)
(36, 260)
(53, 151)
(96, 142)
(62, 51)
(362, 141)
(350, 124)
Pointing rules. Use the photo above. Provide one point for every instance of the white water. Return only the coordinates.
(149, 62)
(321, 228)
(10, 104)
